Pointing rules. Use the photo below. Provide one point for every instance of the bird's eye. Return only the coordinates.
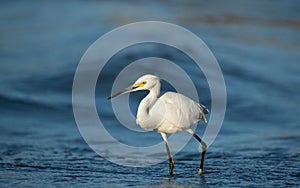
(144, 82)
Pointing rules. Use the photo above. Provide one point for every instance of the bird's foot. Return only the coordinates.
(200, 171)
(171, 165)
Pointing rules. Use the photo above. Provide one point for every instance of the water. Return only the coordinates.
(257, 45)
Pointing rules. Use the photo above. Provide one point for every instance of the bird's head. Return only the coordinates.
(145, 82)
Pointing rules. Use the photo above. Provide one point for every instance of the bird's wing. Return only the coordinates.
(179, 110)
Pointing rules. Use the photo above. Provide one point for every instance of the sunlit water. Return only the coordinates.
(256, 43)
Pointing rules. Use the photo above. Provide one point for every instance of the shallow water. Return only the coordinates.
(256, 43)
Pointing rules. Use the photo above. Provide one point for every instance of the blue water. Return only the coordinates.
(256, 43)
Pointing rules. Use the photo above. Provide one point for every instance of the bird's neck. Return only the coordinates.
(147, 103)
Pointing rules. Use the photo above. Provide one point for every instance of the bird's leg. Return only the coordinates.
(171, 161)
(204, 149)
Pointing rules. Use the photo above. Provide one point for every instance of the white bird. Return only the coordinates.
(168, 114)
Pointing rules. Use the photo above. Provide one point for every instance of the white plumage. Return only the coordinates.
(168, 114)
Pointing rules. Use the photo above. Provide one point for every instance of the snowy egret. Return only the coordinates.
(168, 114)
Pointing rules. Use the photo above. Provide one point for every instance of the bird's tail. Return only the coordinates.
(204, 109)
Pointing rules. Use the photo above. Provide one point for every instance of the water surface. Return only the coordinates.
(257, 45)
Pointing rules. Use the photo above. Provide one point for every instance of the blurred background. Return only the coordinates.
(256, 43)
